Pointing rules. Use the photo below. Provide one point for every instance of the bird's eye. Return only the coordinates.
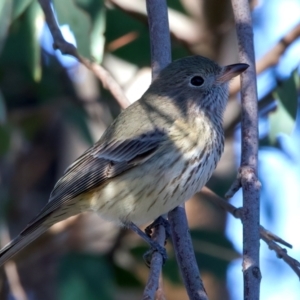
(197, 81)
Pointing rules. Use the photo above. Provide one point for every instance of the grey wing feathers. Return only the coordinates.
(98, 164)
(19, 243)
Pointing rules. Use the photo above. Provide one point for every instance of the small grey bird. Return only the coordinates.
(157, 154)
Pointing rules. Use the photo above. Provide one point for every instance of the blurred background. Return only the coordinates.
(52, 109)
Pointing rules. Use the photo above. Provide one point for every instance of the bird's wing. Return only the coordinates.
(97, 165)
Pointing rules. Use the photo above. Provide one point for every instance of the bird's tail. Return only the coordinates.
(18, 243)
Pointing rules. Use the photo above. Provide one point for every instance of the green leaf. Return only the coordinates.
(97, 13)
(2, 109)
(19, 6)
(5, 19)
(22, 47)
(137, 49)
(288, 95)
(32, 15)
(5, 133)
(126, 279)
(83, 276)
(86, 19)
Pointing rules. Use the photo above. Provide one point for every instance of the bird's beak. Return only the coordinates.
(228, 72)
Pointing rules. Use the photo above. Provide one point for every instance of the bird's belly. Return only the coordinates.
(143, 194)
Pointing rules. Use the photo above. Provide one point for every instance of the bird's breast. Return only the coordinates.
(180, 168)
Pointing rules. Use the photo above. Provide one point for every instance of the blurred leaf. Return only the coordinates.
(126, 279)
(32, 124)
(86, 19)
(97, 12)
(78, 117)
(5, 19)
(139, 251)
(132, 38)
(4, 139)
(288, 95)
(177, 5)
(280, 122)
(171, 270)
(19, 6)
(83, 276)
(34, 13)
(2, 110)
(213, 251)
(22, 47)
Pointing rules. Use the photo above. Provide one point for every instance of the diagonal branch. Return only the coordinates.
(271, 239)
(247, 178)
(66, 48)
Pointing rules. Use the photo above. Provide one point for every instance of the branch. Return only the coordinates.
(271, 58)
(247, 177)
(271, 239)
(66, 48)
(185, 255)
(183, 248)
(160, 58)
(154, 284)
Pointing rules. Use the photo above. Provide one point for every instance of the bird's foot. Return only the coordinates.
(155, 247)
(153, 244)
(159, 221)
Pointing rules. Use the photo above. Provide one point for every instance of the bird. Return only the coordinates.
(155, 155)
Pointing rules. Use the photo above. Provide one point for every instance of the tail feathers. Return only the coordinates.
(19, 243)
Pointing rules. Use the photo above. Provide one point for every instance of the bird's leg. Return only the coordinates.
(157, 222)
(153, 244)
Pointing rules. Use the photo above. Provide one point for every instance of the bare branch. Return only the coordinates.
(185, 254)
(160, 57)
(271, 58)
(248, 170)
(159, 35)
(152, 285)
(66, 48)
(271, 239)
(281, 252)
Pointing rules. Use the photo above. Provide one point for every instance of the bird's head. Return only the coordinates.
(196, 81)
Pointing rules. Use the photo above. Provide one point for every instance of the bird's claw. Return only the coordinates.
(159, 221)
(155, 247)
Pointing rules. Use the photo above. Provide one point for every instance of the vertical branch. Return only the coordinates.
(160, 58)
(160, 42)
(248, 171)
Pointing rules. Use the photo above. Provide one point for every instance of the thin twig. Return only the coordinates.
(271, 239)
(271, 58)
(66, 48)
(160, 58)
(248, 171)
